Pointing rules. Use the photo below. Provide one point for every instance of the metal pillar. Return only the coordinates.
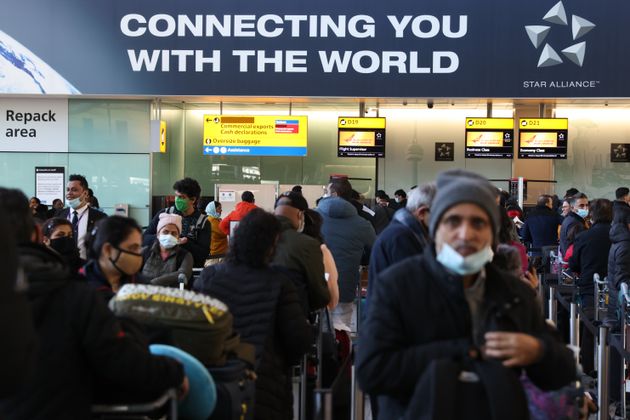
(553, 305)
(574, 325)
(323, 406)
(602, 374)
(357, 406)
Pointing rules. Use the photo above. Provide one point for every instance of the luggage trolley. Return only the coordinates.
(163, 408)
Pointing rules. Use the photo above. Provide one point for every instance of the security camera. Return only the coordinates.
(430, 104)
(404, 103)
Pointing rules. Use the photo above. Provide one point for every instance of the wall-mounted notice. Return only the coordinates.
(620, 152)
(33, 125)
(490, 138)
(49, 183)
(248, 135)
(543, 138)
(227, 196)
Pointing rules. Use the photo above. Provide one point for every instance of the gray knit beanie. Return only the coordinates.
(456, 187)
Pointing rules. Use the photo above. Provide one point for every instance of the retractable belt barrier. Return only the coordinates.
(563, 289)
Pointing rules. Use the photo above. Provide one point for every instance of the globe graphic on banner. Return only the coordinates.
(21, 71)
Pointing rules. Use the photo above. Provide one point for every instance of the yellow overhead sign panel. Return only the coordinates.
(543, 123)
(259, 135)
(356, 123)
(489, 123)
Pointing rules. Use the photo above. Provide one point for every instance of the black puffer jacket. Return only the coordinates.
(419, 315)
(267, 313)
(590, 255)
(82, 346)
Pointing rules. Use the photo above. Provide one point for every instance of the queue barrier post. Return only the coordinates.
(602, 373)
(553, 305)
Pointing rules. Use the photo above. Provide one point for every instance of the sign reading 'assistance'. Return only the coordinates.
(246, 135)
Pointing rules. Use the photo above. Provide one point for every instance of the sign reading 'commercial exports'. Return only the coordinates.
(248, 135)
(366, 48)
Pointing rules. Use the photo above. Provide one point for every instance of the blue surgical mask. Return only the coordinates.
(471, 264)
(168, 241)
(75, 203)
(582, 213)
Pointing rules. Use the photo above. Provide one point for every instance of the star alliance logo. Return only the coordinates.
(558, 16)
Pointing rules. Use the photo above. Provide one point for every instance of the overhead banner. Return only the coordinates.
(429, 48)
(33, 125)
(248, 135)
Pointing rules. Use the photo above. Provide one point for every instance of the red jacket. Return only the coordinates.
(235, 215)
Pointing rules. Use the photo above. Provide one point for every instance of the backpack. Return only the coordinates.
(201, 222)
(199, 324)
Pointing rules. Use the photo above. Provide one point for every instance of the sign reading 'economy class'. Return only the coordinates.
(247, 135)
(429, 48)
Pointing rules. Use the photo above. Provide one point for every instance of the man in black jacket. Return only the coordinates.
(622, 198)
(79, 213)
(590, 256)
(541, 227)
(82, 346)
(195, 234)
(451, 317)
(299, 256)
(574, 220)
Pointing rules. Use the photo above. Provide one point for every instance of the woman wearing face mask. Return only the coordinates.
(218, 241)
(115, 255)
(57, 234)
(165, 262)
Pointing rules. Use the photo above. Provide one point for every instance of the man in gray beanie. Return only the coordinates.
(451, 314)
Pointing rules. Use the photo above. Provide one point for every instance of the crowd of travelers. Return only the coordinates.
(451, 327)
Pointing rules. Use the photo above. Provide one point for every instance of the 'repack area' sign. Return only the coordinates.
(401, 48)
(33, 125)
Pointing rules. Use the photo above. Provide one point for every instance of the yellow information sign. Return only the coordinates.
(162, 136)
(489, 123)
(543, 123)
(259, 135)
(356, 123)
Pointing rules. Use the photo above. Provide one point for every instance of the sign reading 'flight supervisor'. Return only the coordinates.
(247, 135)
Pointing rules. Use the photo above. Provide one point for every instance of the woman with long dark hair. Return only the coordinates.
(266, 309)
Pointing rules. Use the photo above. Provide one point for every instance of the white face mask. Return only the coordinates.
(471, 264)
(75, 203)
(168, 241)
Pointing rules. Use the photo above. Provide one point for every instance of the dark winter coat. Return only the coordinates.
(618, 260)
(198, 243)
(97, 280)
(83, 346)
(571, 219)
(619, 206)
(541, 227)
(267, 314)
(590, 255)
(404, 237)
(302, 255)
(419, 315)
(348, 236)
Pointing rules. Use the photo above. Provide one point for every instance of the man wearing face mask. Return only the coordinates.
(452, 326)
(299, 255)
(576, 217)
(79, 213)
(165, 260)
(195, 232)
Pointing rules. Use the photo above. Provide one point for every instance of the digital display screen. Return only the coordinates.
(361, 137)
(543, 138)
(490, 138)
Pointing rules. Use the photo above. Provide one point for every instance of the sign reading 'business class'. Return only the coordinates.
(297, 48)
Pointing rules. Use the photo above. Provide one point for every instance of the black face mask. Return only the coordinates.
(68, 250)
